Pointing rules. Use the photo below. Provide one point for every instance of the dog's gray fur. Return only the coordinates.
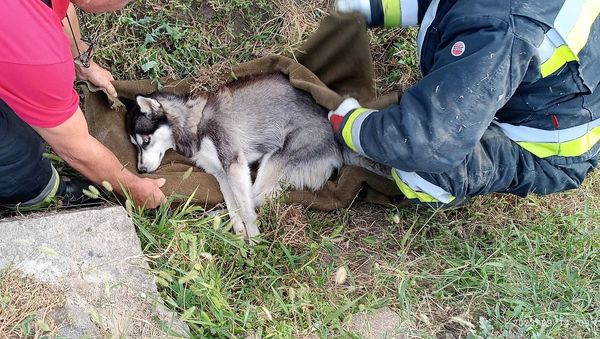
(261, 119)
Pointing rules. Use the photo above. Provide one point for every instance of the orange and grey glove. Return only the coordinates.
(378, 13)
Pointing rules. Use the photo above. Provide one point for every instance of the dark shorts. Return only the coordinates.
(24, 172)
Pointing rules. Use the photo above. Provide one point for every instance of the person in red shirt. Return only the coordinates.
(37, 99)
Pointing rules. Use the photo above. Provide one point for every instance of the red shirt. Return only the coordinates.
(36, 66)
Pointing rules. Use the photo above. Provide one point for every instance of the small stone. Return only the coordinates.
(382, 323)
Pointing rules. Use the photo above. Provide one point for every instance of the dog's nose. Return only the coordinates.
(142, 169)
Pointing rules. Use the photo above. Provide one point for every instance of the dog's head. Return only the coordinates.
(149, 130)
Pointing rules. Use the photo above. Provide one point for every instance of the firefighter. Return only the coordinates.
(507, 102)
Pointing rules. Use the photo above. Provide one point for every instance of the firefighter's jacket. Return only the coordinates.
(528, 68)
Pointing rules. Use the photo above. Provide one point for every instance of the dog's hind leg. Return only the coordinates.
(301, 164)
(267, 183)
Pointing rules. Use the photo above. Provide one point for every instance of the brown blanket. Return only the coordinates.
(333, 63)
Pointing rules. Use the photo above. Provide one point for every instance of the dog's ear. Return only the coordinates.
(148, 106)
(197, 103)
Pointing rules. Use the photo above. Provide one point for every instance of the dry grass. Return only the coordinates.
(26, 305)
(292, 23)
(211, 78)
(293, 224)
(395, 66)
(207, 38)
(300, 19)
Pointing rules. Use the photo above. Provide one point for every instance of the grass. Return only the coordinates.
(26, 305)
(498, 267)
(531, 270)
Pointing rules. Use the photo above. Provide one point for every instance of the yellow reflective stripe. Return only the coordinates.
(572, 148)
(409, 193)
(576, 39)
(561, 56)
(347, 129)
(392, 14)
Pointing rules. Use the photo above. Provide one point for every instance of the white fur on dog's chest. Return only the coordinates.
(207, 157)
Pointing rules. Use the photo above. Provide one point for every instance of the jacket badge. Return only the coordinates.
(458, 48)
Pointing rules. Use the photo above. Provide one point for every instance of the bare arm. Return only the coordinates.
(72, 141)
(95, 74)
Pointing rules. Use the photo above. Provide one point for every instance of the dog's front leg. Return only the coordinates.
(208, 159)
(233, 174)
(231, 202)
(238, 175)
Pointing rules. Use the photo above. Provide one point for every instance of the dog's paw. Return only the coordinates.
(252, 233)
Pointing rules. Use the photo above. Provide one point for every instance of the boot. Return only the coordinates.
(70, 193)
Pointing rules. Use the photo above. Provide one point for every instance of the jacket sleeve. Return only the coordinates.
(392, 13)
(477, 67)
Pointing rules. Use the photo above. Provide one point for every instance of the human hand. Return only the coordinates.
(361, 6)
(147, 193)
(98, 76)
(337, 117)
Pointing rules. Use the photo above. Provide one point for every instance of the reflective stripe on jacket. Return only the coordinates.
(529, 66)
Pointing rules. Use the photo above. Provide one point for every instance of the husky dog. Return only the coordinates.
(262, 120)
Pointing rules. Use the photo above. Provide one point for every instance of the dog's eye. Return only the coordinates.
(145, 140)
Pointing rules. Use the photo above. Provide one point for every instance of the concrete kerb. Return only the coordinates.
(95, 257)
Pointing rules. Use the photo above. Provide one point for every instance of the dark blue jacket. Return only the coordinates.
(530, 67)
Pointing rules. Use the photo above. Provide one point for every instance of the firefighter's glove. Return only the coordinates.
(361, 6)
(381, 13)
(337, 117)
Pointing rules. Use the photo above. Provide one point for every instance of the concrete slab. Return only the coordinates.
(95, 257)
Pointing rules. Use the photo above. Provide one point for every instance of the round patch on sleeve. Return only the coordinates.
(458, 48)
